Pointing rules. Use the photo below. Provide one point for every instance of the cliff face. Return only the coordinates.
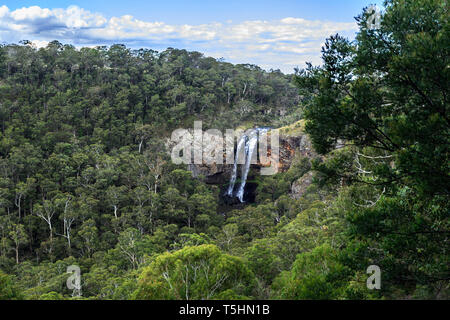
(290, 146)
(221, 173)
(212, 174)
(293, 143)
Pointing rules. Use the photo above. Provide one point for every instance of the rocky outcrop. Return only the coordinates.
(300, 186)
(289, 147)
(211, 174)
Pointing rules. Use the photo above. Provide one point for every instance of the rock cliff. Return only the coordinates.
(291, 145)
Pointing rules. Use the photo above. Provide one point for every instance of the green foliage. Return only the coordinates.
(8, 288)
(312, 276)
(387, 91)
(263, 261)
(319, 274)
(382, 100)
(86, 178)
(51, 296)
(201, 272)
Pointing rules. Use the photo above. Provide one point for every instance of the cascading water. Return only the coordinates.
(245, 148)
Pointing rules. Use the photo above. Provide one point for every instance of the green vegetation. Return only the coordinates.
(200, 272)
(86, 179)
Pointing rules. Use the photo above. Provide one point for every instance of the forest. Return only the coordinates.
(86, 177)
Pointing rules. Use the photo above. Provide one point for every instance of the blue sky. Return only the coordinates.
(278, 34)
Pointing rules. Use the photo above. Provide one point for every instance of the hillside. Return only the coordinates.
(87, 180)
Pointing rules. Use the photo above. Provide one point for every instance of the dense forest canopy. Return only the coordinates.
(86, 178)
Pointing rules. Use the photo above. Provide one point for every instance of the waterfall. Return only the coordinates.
(244, 154)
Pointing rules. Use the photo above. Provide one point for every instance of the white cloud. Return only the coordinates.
(40, 43)
(30, 14)
(274, 44)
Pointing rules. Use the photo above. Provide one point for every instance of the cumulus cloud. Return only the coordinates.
(278, 44)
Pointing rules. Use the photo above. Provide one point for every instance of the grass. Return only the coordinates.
(295, 129)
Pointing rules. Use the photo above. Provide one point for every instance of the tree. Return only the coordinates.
(388, 92)
(8, 290)
(68, 216)
(229, 232)
(200, 204)
(262, 260)
(314, 275)
(155, 161)
(46, 211)
(115, 196)
(133, 245)
(89, 237)
(201, 272)
(383, 101)
(19, 236)
(22, 190)
(142, 133)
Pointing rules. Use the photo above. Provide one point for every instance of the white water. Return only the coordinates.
(246, 146)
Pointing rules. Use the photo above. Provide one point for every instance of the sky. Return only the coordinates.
(275, 34)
